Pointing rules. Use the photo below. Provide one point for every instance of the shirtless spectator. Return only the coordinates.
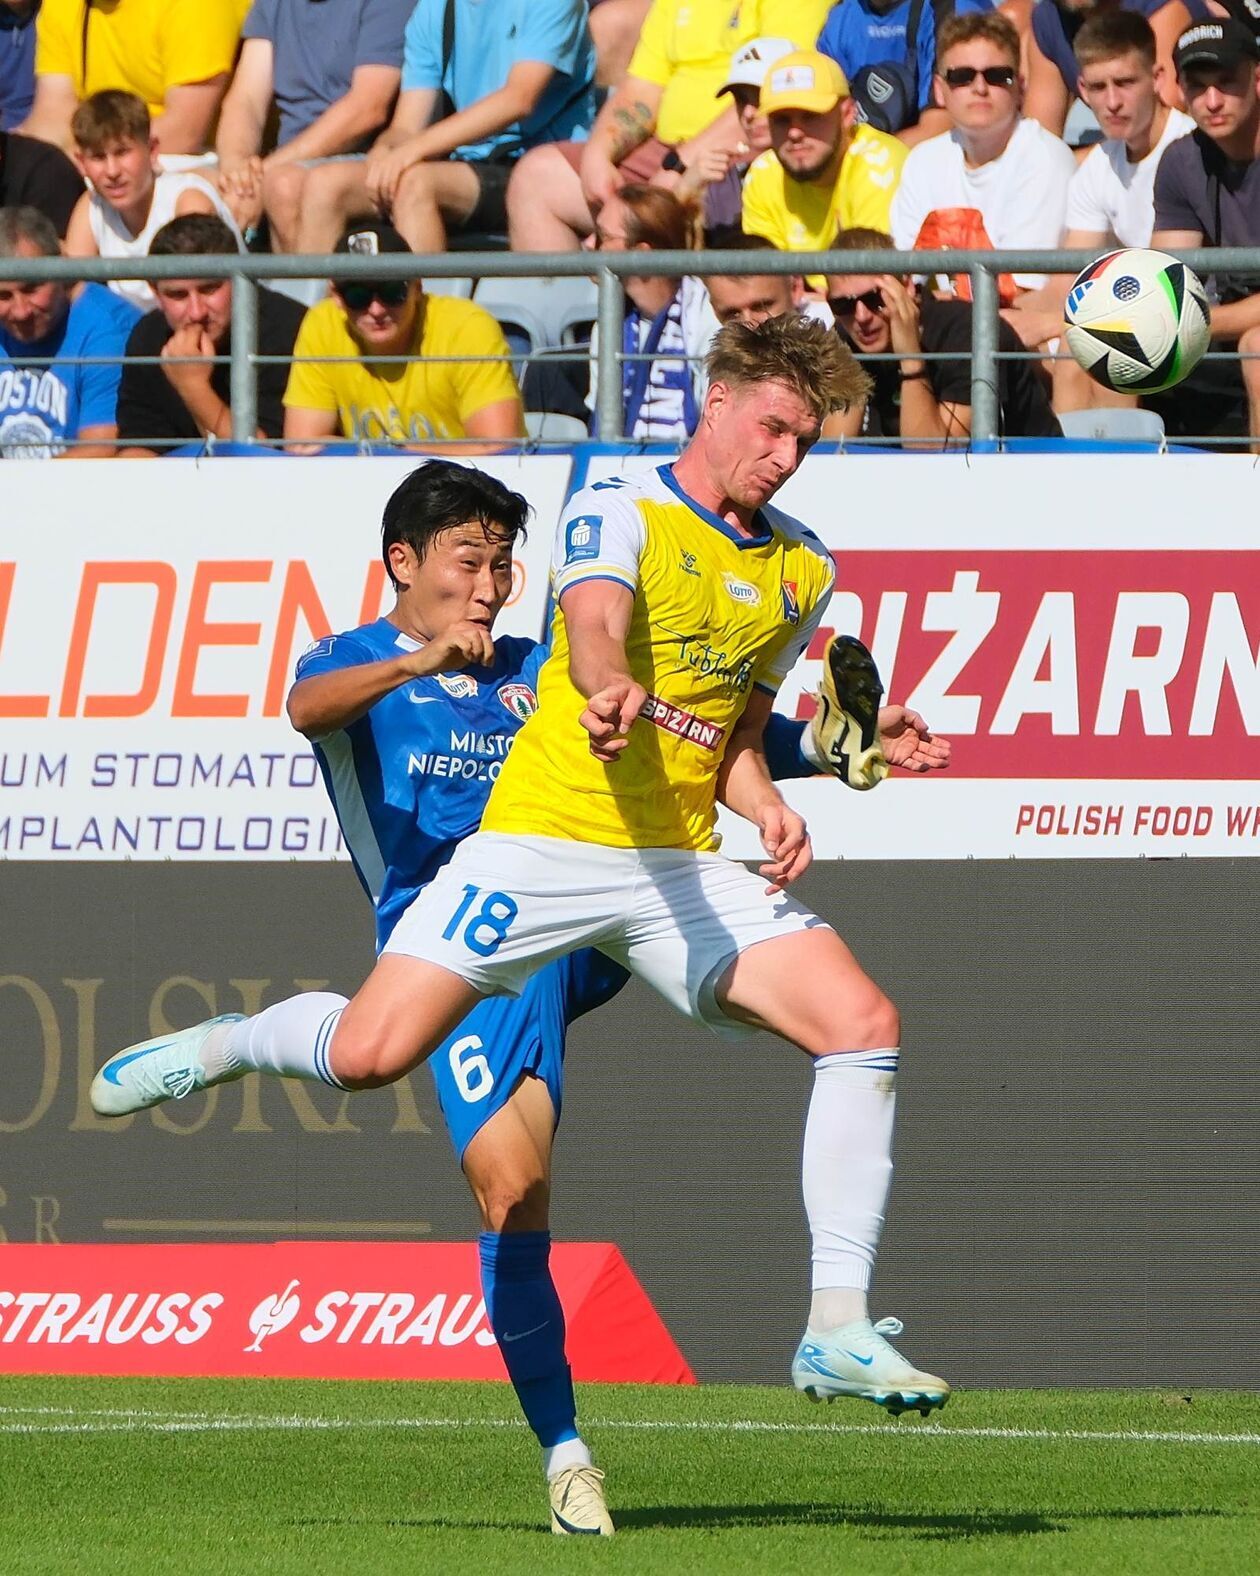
(1053, 74)
(1207, 193)
(1111, 198)
(521, 73)
(176, 55)
(332, 74)
(997, 180)
(660, 120)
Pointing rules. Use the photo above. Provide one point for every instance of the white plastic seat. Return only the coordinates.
(1113, 424)
(552, 427)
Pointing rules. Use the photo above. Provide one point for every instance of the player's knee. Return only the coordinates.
(514, 1201)
(873, 1022)
(363, 1060)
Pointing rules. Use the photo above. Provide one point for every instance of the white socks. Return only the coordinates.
(291, 1040)
(569, 1453)
(846, 1171)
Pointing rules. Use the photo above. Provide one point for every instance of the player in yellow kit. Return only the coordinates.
(682, 600)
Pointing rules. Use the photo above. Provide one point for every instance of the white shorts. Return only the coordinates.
(505, 905)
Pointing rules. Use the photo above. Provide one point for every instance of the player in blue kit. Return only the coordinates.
(411, 718)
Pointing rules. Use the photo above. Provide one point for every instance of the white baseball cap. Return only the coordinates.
(752, 60)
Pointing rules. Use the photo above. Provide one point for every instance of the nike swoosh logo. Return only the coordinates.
(865, 1361)
(115, 1067)
(422, 700)
(520, 1336)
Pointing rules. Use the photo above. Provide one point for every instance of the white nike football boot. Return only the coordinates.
(577, 1503)
(857, 1360)
(167, 1068)
(845, 728)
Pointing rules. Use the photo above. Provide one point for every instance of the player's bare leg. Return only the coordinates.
(404, 1009)
(508, 1166)
(809, 988)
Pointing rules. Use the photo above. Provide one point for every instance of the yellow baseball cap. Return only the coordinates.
(803, 80)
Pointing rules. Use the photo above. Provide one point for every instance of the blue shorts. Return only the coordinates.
(478, 1065)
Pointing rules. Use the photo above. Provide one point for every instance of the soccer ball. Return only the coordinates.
(1137, 321)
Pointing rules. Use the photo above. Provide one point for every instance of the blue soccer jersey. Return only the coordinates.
(410, 778)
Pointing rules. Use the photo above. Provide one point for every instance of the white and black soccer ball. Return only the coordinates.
(1137, 321)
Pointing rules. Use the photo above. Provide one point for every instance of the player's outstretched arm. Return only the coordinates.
(597, 620)
(744, 786)
(325, 701)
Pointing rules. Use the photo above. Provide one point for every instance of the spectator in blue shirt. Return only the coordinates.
(332, 72)
(17, 61)
(891, 82)
(56, 407)
(517, 73)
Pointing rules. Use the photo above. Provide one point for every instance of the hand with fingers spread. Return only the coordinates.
(785, 838)
(909, 743)
(608, 716)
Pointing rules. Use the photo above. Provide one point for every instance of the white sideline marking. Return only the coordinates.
(106, 1420)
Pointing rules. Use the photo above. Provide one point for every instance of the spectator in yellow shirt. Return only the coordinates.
(821, 173)
(174, 54)
(663, 116)
(424, 402)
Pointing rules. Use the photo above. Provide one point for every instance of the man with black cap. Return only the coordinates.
(338, 388)
(1207, 193)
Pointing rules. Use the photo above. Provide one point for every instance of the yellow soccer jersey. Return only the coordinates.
(687, 49)
(804, 216)
(714, 614)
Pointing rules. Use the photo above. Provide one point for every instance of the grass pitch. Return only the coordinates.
(251, 1476)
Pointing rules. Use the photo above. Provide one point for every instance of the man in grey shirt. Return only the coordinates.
(333, 73)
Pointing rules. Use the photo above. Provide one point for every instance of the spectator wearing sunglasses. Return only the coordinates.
(424, 400)
(995, 180)
(177, 401)
(918, 401)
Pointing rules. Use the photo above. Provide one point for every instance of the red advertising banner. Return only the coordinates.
(323, 1310)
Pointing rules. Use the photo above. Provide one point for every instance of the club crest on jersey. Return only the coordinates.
(581, 538)
(520, 700)
(741, 591)
(457, 685)
(791, 605)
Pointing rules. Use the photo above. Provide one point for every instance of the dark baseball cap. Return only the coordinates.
(371, 238)
(1222, 44)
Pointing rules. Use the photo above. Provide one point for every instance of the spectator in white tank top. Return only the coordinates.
(130, 197)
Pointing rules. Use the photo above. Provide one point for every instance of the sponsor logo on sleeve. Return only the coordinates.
(581, 538)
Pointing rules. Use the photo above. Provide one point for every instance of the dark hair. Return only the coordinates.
(730, 238)
(1107, 34)
(441, 494)
(655, 216)
(194, 235)
(112, 115)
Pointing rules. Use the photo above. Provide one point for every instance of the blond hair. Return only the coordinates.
(991, 26)
(794, 350)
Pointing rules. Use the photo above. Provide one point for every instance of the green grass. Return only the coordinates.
(210, 1476)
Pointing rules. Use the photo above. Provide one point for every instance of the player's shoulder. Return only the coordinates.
(798, 536)
(515, 652)
(351, 647)
(614, 495)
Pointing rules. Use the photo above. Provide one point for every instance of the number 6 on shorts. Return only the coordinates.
(495, 915)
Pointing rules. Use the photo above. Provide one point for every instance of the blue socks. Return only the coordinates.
(524, 1312)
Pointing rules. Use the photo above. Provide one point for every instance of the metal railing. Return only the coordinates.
(608, 269)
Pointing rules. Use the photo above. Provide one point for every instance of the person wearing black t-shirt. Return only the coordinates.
(161, 406)
(924, 403)
(1207, 193)
(34, 174)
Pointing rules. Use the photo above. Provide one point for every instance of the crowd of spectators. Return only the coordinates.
(200, 127)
